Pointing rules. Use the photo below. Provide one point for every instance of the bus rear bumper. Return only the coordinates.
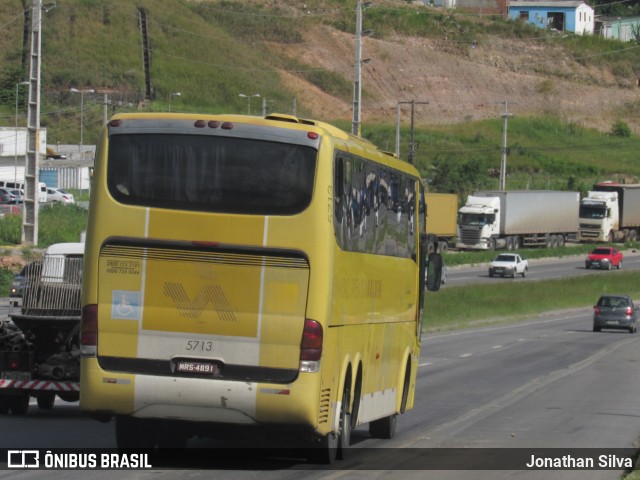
(108, 394)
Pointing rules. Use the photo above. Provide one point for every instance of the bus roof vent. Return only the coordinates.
(283, 117)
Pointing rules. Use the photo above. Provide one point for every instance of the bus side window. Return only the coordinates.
(338, 181)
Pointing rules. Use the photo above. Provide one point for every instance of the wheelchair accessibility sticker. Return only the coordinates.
(125, 305)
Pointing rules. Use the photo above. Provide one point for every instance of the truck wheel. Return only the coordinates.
(384, 427)
(619, 265)
(69, 397)
(524, 273)
(4, 405)
(19, 404)
(46, 400)
(490, 273)
(509, 243)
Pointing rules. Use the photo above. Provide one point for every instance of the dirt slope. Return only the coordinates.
(461, 82)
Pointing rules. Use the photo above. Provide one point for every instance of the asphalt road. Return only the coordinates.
(549, 382)
(539, 269)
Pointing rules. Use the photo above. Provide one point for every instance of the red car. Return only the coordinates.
(604, 257)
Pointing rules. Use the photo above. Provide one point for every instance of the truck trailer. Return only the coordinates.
(522, 218)
(39, 345)
(610, 213)
(442, 214)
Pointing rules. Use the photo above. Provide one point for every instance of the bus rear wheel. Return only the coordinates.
(324, 451)
(344, 435)
(333, 445)
(134, 433)
(383, 427)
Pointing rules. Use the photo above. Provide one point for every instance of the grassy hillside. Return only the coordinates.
(210, 51)
(545, 153)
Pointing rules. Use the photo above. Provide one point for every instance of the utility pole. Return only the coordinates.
(357, 80)
(505, 150)
(32, 188)
(412, 143)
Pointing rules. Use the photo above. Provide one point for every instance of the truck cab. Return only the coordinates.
(479, 223)
(599, 217)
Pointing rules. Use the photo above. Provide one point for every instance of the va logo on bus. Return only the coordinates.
(208, 297)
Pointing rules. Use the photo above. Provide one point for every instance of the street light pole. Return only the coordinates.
(82, 92)
(15, 171)
(248, 97)
(171, 95)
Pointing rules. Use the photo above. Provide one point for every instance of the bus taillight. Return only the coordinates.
(311, 346)
(89, 331)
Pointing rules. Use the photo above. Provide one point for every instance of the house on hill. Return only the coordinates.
(573, 16)
(625, 29)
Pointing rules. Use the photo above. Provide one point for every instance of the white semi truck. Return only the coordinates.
(522, 218)
(610, 213)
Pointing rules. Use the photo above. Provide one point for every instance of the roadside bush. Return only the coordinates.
(6, 277)
(620, 129)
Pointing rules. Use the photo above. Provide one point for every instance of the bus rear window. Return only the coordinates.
(210, 173)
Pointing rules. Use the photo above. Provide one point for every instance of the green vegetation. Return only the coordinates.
(545, 153)
(211, 51)
(484, 304)
(56, 224)
(6, 276)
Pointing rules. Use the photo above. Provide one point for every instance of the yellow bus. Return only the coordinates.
(250, 272)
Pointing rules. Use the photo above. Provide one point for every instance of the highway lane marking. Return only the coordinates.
(465, 355)
(577, 315)
(516, 394)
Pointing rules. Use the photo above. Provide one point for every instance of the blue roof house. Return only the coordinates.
(562, 15)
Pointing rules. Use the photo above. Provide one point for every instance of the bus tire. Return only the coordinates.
(324, 450)
(355, 408)
(134, 433)
(344, 425)
(384, 427)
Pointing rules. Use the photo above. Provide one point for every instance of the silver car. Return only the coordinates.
(615, 312)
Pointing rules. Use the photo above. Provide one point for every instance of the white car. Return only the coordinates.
(59, 195)
(509, 264)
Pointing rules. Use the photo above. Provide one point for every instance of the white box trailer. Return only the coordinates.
(510, 219)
